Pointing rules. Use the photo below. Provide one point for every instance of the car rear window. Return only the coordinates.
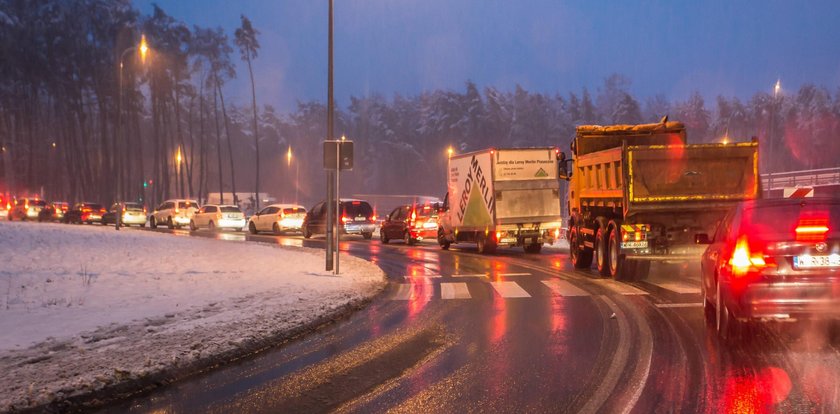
(187, 204)
(779, 221)
(230, 209)
(41, 203)
(426, 211)
(357, 209)
(93, 206)
(293, 211)
(133, 207)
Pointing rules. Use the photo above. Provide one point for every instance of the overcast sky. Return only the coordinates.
(675, 47)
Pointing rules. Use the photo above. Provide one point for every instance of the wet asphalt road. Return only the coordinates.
(456, 331)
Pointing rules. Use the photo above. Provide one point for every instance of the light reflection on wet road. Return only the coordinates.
(456, 331)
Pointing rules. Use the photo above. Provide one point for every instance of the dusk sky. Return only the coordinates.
(734, 48)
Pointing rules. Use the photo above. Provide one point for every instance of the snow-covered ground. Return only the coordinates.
(83, 308)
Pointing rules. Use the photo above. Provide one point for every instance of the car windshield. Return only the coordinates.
(357, 209)
(780, 221)
(230, 209)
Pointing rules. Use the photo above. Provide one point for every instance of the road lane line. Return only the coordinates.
(471, 275)
(456, 290)
(509, 290)
(564, 288)
(512, 274)
(618, 287)
(403, 292)
(680, 305)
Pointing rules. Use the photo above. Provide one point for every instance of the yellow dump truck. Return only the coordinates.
(640, 193)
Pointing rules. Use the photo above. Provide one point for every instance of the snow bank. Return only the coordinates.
(86, 308)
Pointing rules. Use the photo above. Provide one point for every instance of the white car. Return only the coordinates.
(278, 218)
(173, 213)
(216, 217)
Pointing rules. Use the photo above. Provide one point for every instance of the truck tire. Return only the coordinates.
(581, 256)
(485, 245)
(602, 257)
(444, 244)
(618, 266)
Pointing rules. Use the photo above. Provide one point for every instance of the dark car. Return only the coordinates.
(410, 223)
(772, 259)
(53, 212)
(84, 213)
(355, 216)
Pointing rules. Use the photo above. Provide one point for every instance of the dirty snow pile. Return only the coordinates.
(83, 308)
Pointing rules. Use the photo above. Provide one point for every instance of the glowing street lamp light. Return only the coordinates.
(449, 152)
(777, 88)
(289, 157)
(144, 48)
(178, 158)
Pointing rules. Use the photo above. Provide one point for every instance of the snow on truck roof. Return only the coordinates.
(670, 126)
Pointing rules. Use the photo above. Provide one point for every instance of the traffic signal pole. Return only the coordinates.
(331, 216)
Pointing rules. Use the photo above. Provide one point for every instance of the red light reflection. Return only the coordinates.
(755, 394)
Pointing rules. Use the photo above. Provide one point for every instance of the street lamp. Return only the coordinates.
(144, 50)
(180, 175)
(450, 151)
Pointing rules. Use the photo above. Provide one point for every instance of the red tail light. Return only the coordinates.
(498, 235)
(86, 210)
(344, 219)
(743, 260)
(373, 217)
(144, 211)
(812, 230)
(102, 210)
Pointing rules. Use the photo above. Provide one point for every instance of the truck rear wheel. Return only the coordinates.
(485, 245)
(580, 255)
(618, 268)
(602, 256)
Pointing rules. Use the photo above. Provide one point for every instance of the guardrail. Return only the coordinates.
(805, 178)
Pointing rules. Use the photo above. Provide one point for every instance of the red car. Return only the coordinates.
(410, 223)
(772, 260)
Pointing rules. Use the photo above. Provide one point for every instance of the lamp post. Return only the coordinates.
(143, 48)
(179, 173)
(297, 171)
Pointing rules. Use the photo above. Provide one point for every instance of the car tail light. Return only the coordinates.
(102, 210)
(373, 218)
(811, 230)
(85, 209)
(176, 209)
(144, 211)
(344, 219)
(743, 260)
(498, 235)
(26, 205)
(557, 233)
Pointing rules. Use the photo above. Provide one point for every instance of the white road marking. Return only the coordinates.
(564, 288)
(513, 274)
(409, 291)
(471, 275)
(618, 287)
(680, 305)
(509, 290)
(679, 287)
(419, 276)
(454, 291)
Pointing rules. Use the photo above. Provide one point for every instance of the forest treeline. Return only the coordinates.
(65, 132)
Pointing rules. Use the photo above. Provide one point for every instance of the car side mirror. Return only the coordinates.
(702, 238)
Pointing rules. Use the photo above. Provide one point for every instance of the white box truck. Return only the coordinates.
(502, 197)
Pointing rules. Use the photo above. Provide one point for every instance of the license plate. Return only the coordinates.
(360, 219)
(231, 216)
(805, 262)
(508, 240)
(634, 245)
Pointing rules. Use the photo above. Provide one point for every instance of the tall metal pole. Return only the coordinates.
(330, 178)
(118, 213)
(337, 200)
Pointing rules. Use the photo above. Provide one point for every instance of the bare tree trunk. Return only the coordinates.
(256, 134)
(229, 144)
(218, 137)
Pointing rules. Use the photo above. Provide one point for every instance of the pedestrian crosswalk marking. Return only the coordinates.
(564, 288)
(618, 287)
(510, 290)
(512, 274)
(471, 275)
(409, 291)
(678, 287)
(680, 305)
(456, 290)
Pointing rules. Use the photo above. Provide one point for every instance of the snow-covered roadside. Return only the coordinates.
(86, 308)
